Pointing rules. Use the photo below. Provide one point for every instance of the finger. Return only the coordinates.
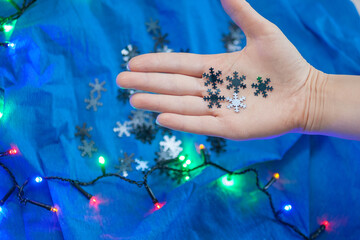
(180, 63)
(251, 22)
(187, 105)
(205, 125)
(163, 83)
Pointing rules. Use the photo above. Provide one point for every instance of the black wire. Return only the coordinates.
(161, 166)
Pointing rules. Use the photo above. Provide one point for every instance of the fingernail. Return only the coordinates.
(157, 122)
(128, 67)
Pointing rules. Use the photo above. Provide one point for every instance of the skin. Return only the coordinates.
(300, 101)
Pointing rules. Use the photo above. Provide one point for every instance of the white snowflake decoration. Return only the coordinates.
(87, 148)
(129, 52)
(171, 145)
(236, 102)
(93, 103)
(97, 87)
(142, 165)
(165, 49)
(123, 129)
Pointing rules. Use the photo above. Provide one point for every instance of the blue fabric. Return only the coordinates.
(61, 46)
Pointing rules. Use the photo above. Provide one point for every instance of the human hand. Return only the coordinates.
(177, 80)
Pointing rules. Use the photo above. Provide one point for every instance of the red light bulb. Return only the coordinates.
(326, 224)
(54, 209)
(93, 200)
(12, 151)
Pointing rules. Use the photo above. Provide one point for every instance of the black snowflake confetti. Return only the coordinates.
(262, 87)
(212, 78)
(214, 98)
(83, 131)
(217, 144)
(236, 82)
(123, 95)
(145, 133)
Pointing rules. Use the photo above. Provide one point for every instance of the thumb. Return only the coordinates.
(251, 22)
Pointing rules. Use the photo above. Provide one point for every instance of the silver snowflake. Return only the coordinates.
(93, 103)
(165, 49)
(152, 27)
(236, 102)
(87, 148)
(142, 165)
(123, 129)
(97, 87)
(83, 131)
(125, 164)
(129, 52)
(170, 144)
(140, 118)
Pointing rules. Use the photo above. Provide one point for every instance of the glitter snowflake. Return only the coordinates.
(142, 165)
(262, 87)
(97, 88)
(93, 103)
(152, 27)
(140, 117)
(212, 78)
(87, 148)
(236, 82)
(165, 49)
(172, 145)
(236, 102)
(83, 131)
(162, 156)
(125, 164)
(122, 129)
(128, 53)
(217, 144)
(123, 95)
(214, 98)
(145, 133)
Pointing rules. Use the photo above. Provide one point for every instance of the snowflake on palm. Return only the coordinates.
(214, 98)
(125, 164)
(236, 102)
(128, 53)
(262, 87)
(87, 148)
(236, 82)
(217, 144)
(122, 129)
(212, 78)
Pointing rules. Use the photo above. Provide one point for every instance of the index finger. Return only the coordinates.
(181, 63)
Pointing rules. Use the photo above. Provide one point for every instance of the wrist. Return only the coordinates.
(316, 93)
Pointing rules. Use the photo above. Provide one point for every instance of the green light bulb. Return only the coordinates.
(188, 162)
(227, 181)
(182, 158)
(101, 160)
(187, 178)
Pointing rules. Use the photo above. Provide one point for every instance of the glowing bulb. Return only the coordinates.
(184, 165)
(287, 207)
(325, 223)
(7, 28)
(38, 179)
(11, 45)
(1, 114)
(202, 146)
(157, 206)
(101, 160)
(182, 158)
(187, 178)
(1, 210)
(227, 181)
(12, 151)
(54, 209)
(276, 175)
(188, 161)
(93, 200)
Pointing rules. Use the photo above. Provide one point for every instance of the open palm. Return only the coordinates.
(177, 78)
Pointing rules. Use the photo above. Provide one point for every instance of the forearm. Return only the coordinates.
(332, 105)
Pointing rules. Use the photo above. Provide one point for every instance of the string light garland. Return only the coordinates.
(205, 157)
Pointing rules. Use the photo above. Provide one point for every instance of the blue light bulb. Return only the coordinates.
(287, 207)
(38, 179)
